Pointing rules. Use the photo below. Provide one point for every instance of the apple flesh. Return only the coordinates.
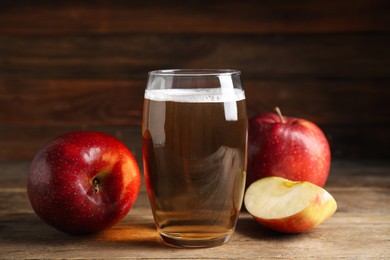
(288, 147)
(288, 206)
(83, 182)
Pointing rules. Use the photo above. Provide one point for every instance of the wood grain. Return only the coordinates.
(119, 103)
(71, 103)
(63, 17)
(43, 109)
(81, 66)
(270, 56)
(359, 229)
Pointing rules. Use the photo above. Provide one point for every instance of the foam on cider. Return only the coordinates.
(208, 95)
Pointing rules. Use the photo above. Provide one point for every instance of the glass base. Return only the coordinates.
(188, 241)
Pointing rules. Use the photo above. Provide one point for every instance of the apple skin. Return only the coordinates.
(295, 149)
(83, 182)
(322, 206)
(303, 221)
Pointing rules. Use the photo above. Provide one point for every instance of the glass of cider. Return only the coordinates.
(194, 133)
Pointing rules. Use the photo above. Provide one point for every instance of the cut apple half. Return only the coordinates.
(288, 206)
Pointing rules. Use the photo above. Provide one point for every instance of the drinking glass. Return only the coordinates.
(194, 133)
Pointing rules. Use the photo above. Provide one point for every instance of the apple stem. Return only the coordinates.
(277, 109)
(95, 184)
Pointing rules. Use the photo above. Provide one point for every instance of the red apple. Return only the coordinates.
(287, 206)
(83, 182)
(292, 148)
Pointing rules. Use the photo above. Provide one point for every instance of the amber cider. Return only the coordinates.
(194, 153)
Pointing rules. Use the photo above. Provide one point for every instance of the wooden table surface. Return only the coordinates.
(359, 229)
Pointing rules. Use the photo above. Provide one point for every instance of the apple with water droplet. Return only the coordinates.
(83, 182)
(288, 147)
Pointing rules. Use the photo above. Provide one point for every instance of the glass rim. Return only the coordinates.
(194, 72)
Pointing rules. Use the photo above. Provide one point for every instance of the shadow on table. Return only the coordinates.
(30, 230)
(247, 226)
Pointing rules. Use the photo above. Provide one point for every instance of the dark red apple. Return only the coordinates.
(292, 148)
(83, 182)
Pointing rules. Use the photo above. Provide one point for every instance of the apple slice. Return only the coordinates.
(288, 206)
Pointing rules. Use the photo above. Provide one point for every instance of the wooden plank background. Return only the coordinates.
(69, 65)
